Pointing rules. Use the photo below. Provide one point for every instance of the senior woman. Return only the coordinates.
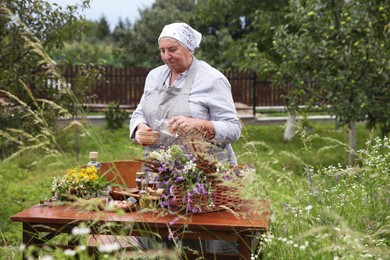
(189, 94)
(192, 97)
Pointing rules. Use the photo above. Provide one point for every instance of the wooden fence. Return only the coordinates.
(125, 87)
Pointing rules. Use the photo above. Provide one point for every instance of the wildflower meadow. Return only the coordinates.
(321, 208)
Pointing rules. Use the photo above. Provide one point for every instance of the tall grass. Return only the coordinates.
(332, 212)
(321, 209)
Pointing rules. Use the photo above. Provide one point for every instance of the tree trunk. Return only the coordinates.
(352, 143)
(289, 131)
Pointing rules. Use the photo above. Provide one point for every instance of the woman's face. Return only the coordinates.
(175, 55)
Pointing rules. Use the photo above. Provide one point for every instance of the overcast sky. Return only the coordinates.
(112, 9)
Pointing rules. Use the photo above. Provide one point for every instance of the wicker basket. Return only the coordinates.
(222, 197)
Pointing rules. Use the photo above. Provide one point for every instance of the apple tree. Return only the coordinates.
(336, 54)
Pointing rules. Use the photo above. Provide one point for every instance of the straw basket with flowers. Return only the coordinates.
(193, 182)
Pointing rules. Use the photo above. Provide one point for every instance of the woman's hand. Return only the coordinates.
(141, 127)
(185, 125)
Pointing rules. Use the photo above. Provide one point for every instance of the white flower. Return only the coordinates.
(47, 257)
(156, 155)
(308, 208)
(69, 252)
(81, 231)
(82, 248)
(22, 247)
(107, 248)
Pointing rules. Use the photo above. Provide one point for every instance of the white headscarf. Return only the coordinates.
(183, 33)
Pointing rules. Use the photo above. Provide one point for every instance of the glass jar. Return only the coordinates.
(152, 180)
(141, 182)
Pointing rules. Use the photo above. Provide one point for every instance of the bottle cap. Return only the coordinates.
(139, 173)
(93, 155)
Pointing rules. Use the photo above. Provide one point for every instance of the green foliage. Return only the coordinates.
(139, 46)
(304, 209)
(337, 53)
(322, 146)
(10, 117)
(36, 133)
(339, 211)
(76, 94)
(29, 29)
(115, 116)
(103, 29)
(231, 27)
(86, 52)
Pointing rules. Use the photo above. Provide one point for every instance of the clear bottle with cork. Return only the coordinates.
(141, 182)
(93, 156)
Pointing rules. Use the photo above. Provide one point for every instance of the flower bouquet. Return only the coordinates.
(82, 183)
(192, 181)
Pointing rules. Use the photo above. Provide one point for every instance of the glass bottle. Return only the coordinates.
(138, 179)
(93, 156)
(143, 183)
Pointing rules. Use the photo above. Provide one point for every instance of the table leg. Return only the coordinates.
(244, 245)
(30, 235)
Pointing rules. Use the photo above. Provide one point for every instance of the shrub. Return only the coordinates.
(115, 116)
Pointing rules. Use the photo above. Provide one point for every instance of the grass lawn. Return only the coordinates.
(306, 220)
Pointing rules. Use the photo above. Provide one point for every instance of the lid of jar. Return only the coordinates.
(139, 173)
(93, 155)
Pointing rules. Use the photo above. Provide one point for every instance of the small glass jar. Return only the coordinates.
(152, 177)
(142, 182)
(138, 179)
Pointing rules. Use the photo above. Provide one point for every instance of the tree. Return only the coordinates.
(139, 47)
(90, 46)
(103, 28)
(228, 28)
(231, 27)
(119, 30)
(337, 54)
(29, 30)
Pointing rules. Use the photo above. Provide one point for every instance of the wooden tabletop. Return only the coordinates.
(251, 215)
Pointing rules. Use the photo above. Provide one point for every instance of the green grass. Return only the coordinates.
(311, 212)
(323, 145)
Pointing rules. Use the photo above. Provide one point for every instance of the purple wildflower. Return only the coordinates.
(172, 236)
(201, 189)
(195, 190)
(171, 190)
(173, 221)
(180, 178)
(162, 168)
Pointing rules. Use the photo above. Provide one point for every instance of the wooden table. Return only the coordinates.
(41, 223)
